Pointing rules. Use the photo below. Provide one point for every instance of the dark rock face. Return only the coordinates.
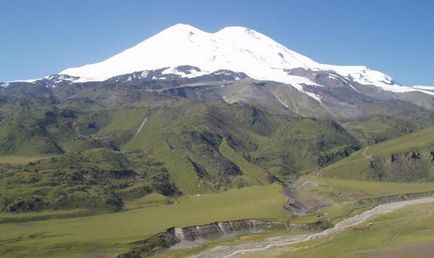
(406, 166)
(163, 184)
(296, 207)
(25, 204)
(199, 169)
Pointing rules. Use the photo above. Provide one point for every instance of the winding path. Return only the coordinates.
(142, 124)
(365, 155)
(230, 251)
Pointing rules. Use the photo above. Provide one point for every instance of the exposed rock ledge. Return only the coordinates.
(176, 236)
(393, 198)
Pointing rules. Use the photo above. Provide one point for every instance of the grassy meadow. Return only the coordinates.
(108, 234)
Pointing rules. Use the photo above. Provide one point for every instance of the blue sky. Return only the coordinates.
(39, 38)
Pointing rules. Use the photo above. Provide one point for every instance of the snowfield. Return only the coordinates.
(238, 49)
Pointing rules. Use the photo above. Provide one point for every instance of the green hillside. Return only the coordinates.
(405, 158)
(190, 146)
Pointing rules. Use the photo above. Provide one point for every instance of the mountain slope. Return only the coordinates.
(406, 158)
(113, 152)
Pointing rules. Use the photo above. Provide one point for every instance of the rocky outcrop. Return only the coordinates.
(174, 236)
(415, 165)
(393, 198)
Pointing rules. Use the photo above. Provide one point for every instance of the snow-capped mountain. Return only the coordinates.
(232, 48)
(187, 62)
(424, 87)
(238, 49)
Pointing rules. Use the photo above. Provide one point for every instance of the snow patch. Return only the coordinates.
(28, 81)
(424, 87)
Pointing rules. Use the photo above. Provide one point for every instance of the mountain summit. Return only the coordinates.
(234, 48)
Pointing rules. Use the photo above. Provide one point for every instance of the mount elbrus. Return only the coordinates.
(187, 111)
(184, 54)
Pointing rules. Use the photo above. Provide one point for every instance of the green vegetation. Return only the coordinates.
(192, 147)
(334, 199)
(378, 128)
(109, 233)
(97, 179)
(405, 158)
(404, 233)
(340, 185)
(419, 139)
(21, 160)
(339, 195)
(183, 134)
(253, 174)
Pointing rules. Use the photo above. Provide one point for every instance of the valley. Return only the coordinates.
(42, 234)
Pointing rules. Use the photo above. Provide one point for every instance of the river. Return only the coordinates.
(230, 251)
